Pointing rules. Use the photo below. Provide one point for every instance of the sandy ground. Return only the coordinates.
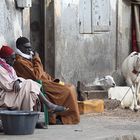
(113, 109)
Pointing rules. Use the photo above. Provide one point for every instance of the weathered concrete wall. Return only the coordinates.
(82, 56)
(26, 22)
(12, 23)
(124, 30)
(87, 56)
(123, 37)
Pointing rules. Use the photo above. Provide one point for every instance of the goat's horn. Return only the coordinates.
(101, 79)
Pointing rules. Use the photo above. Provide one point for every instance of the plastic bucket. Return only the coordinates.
(19, 122)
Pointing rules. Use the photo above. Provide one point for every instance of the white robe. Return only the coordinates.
(25, 99)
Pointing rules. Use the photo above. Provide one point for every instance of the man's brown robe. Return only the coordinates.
(64, 95)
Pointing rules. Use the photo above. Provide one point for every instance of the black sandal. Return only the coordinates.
(41, 125)
(58, 109)
(1, 129)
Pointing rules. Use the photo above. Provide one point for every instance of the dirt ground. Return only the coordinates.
(113, 109)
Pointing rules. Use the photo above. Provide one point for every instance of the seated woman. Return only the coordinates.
(16, 92)
(29, 66)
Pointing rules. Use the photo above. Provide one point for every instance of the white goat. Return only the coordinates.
(130, 71)
(105, 81)
(125, 95)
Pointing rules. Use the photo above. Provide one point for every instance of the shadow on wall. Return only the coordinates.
(127, 2)
(118, 78)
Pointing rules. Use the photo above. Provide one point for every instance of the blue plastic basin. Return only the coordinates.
(19, 122)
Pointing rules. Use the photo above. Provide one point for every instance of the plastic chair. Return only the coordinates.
(46, 114)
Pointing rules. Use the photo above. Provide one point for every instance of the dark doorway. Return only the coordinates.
(42, 32)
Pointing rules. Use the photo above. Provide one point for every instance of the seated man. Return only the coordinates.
(29, 66)
(16, 92)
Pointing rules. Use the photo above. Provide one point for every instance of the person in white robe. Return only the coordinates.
(16, 92)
